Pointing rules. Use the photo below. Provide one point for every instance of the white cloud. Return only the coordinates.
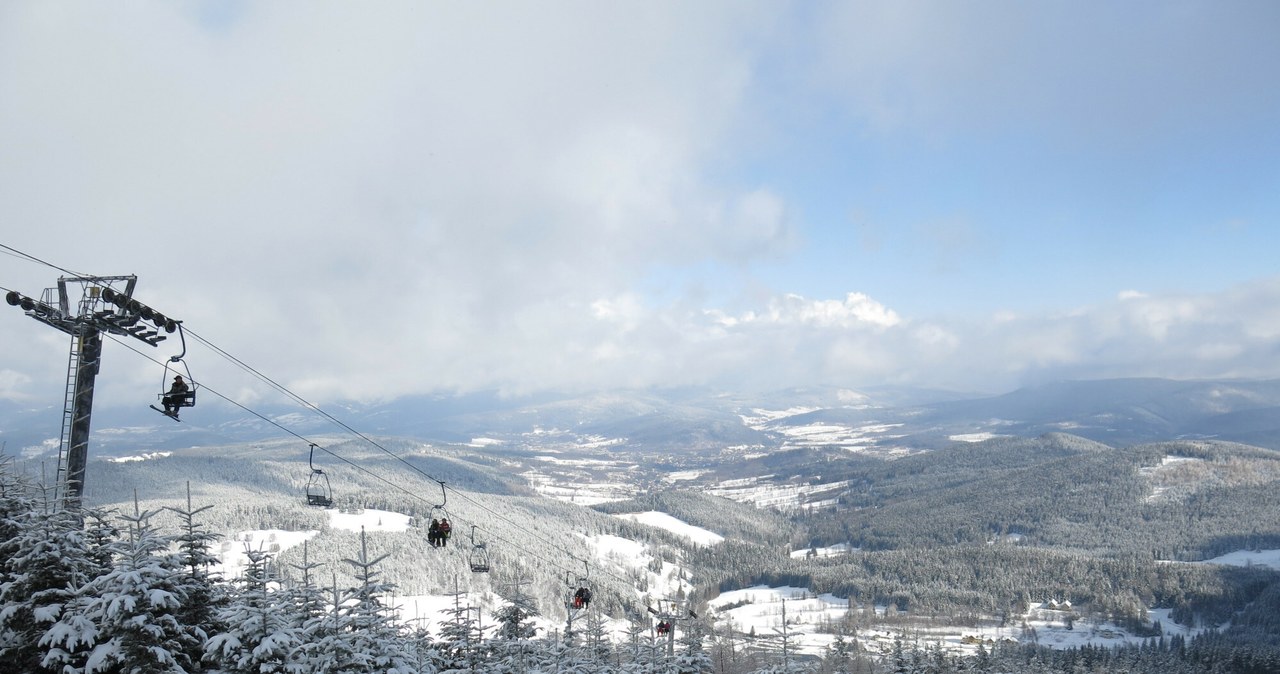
(444, 197)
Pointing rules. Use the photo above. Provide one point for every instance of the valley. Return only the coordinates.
(871, 527)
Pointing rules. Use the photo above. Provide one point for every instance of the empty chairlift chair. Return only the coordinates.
(479, 557)
(319, 493)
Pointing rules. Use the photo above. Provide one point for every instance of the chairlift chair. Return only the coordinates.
(319, 492)
(435, 537)
(479, 558)
(580, 598)
(167, 398)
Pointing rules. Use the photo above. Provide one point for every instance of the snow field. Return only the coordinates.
(757, 609)
(662, 520)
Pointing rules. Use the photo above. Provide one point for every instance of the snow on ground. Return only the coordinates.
(231, 553)
(582, 493)
(139, 457)
(781, 496)
(759, 610)
(763, 416)
(809, 618)
(853, 438)
(626, 555)
(973, 437)
(662, 520)
(832, 551)
(1166, 475)
(369, 520)
(1267, 558)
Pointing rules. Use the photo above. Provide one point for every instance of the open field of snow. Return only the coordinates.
(662, 520)
(831, 551)
(231, 552)
(781, 496)
(1267, 558)
(810, 619)
(369, 520)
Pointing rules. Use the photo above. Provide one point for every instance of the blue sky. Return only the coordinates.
(367, 201)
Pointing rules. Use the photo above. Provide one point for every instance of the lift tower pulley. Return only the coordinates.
(105, 305)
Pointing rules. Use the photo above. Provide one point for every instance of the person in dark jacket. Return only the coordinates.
(173, 399)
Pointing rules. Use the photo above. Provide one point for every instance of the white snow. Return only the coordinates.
(232, 551)
(972, 437)
(759, 609)
(781, 496)
(369, 520)
(662, 520)
(139, 457)
(1267, 558)
(832, 551)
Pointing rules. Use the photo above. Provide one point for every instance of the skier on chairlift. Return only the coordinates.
(173, 399)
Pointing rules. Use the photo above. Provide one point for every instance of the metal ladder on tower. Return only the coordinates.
(68, 415)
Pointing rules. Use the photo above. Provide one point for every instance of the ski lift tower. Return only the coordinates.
(668, 612)
(85, 307)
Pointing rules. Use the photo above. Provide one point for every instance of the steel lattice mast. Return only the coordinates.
(85, 307)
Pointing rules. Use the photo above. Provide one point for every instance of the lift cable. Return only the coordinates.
(494, 535)
(14, 252)
(315, 408)
(302, 401)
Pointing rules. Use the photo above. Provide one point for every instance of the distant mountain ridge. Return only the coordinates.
(1117, 412)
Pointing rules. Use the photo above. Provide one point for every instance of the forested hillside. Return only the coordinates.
(968, 536)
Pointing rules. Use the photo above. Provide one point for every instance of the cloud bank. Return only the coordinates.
(443, 197)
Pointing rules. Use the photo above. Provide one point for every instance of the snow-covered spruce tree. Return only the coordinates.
(101, 537)
(842, 657)
(510, 647)
(128, 618)
(261, 634)
(304, 599)
(205, 595)
(640, 653)
(596, 644)
(422, 650)
(691, 654)
(458, 643)
(377, 639)
(365, 639)
(41, 564)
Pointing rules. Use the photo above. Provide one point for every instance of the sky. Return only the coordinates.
(369, 200)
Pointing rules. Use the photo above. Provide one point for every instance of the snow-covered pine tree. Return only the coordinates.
(205, 594)
(41, 564)
(511, 646)
(101, 537)
(422, 650)
(128, 618)
(261, 634)
(596, 643)
(326, 649)
(641, 652)
(376, 641)
(841, 657)
(691, 654)
(457, 643)
(305, 600)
